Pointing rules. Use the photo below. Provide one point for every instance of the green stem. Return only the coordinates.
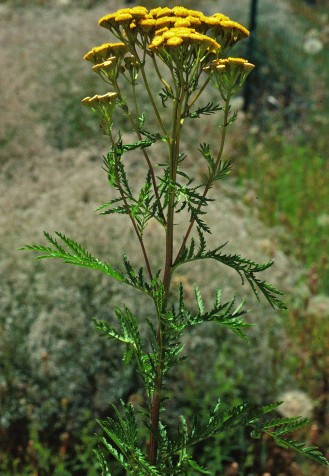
(133, 221)
(163, 81)
(150, 166)
(173, 163)
(149, 163)
(150, 95)
(211, 176)
(196, 97)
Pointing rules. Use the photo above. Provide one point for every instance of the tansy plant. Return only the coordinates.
(187, 51)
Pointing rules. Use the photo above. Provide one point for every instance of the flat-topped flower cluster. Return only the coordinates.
(129, 23)
(187, 41)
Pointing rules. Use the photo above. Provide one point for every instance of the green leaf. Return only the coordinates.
(218, 421)
(75, 254)
(197, 467)
(206, 110)
(225, 314)
(102, 461)
(122, 432)
(223, 168)
(246, 268)
(164, 96)
(199, 300)
(129, 335)
(121, 209)
(152, 136)
(281, 426)
(135, 278)
(311, 452)
(141, 144)
(286, 425)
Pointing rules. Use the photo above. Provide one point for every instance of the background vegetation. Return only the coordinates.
(56, 374)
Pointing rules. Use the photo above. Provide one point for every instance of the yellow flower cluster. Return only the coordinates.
(100, 101)
(230, 63)
(104, 52)
(229, 74)
(184, 36)
(108, 70)
(130, 23)
(103, 106)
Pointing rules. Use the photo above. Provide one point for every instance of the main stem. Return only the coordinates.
(173, 162)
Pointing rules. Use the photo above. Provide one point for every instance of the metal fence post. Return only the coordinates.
(250, 51)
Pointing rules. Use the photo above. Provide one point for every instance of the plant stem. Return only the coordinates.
(173, 163)
(150, 95)
(196, 97)
(211, 176)
(133, 221)
(149, 163)
(151, 169)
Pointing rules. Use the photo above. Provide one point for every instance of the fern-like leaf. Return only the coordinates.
(246, 268)
(206, 110)
(75, 254)
(311, 452)
(102, 461)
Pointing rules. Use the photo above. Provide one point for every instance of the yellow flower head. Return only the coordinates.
(238, 30)
(176, 22)
(161, 31)
(147, 24)
(185, 12)
(165, 21)
(174, 41)
(219, 17)
(121, 17)
(160, 12)
(193, 20)
(101, 53)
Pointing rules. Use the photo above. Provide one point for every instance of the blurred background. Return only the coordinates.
(56, 374)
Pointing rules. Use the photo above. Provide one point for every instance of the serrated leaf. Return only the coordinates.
(206, 110)
(76, 255)
(246, 268)
(311, 452)
(103, 463)
(197, 467)
(199, 300)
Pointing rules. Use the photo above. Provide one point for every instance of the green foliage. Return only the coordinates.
(76, 255)
(206, 110)
(244, 267)
(122, 432)
(281, 426)
(41, 458)
(287, 159)
(294, 192)
(226, 314)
